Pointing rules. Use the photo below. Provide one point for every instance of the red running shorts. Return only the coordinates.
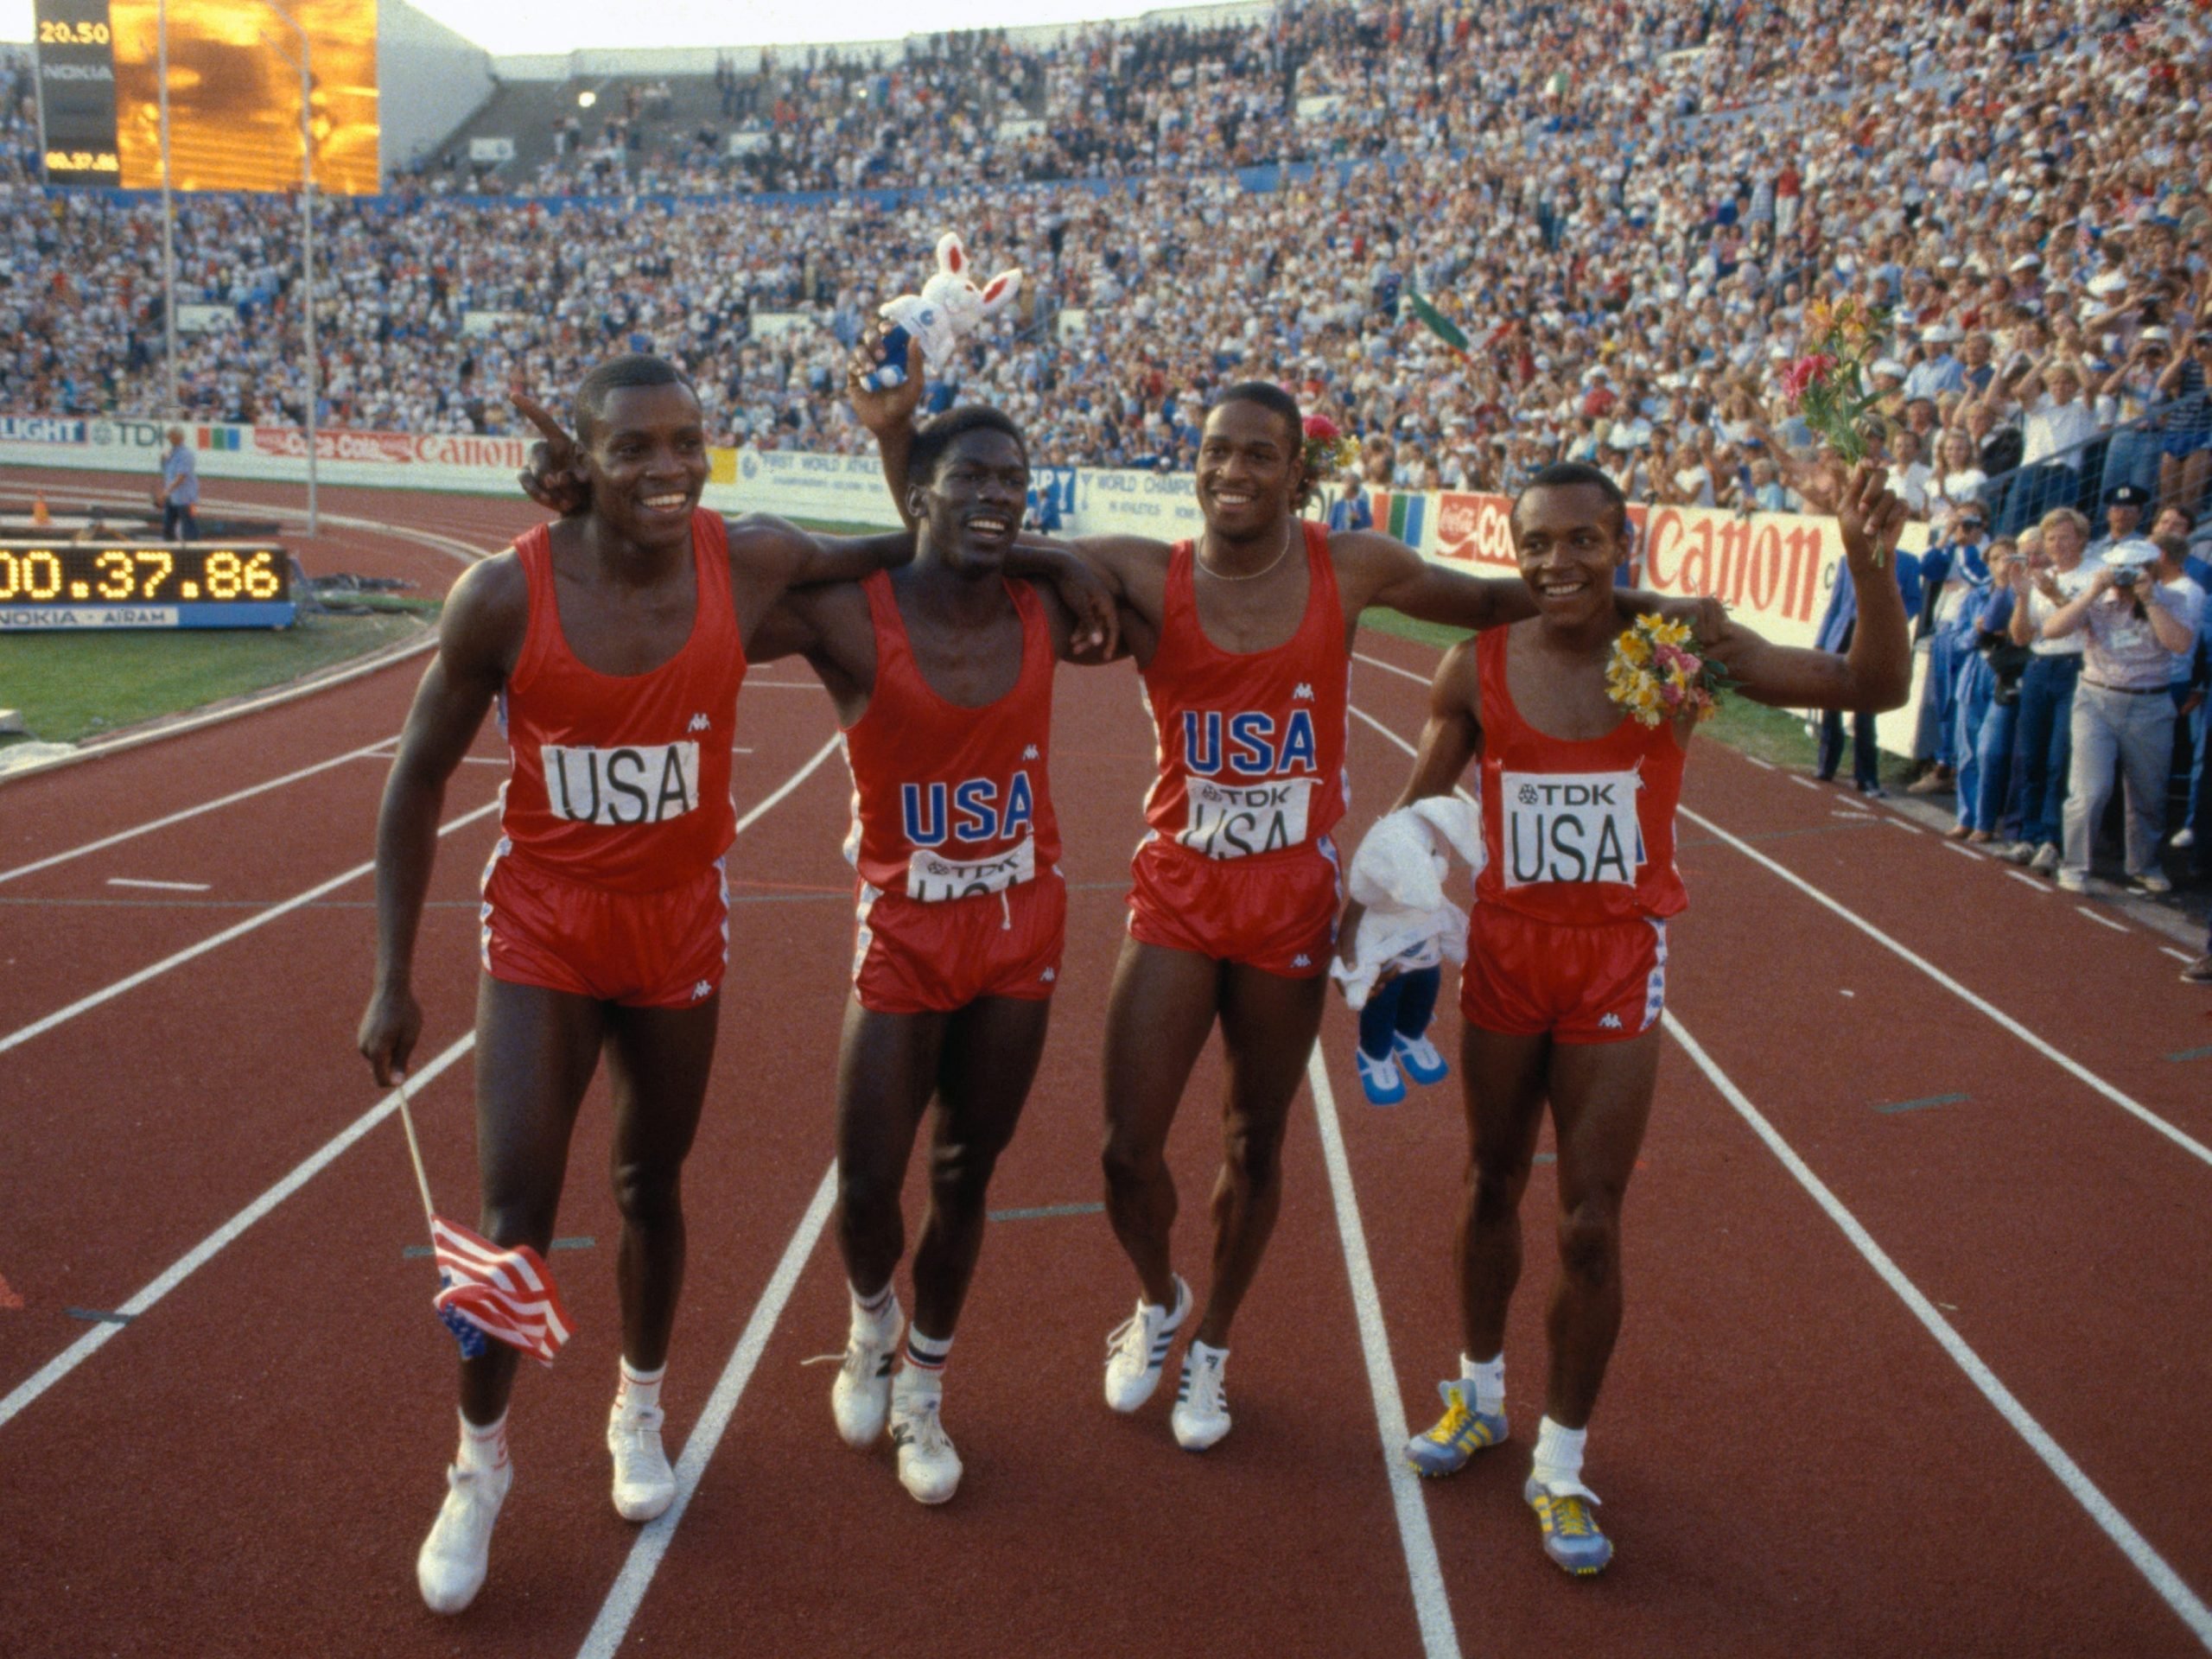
(1525, 977)
(664, 949)
(1276, 912)
(912, 958)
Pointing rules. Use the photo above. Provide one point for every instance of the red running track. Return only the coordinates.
(1792, 1458)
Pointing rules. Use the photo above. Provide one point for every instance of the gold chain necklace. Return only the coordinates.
(1249, 575)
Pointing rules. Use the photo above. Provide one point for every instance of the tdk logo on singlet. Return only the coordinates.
(978, 811)
(1255, 747)
(643, 783)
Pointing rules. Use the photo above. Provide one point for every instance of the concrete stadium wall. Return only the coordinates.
(430, 80)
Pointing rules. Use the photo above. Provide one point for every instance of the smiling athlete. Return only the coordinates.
(613, 642)
(1567, 946)
(1243, 640)
(942, 673)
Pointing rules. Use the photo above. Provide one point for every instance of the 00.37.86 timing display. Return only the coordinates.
(84, 572)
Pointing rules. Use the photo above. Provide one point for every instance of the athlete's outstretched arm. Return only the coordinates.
(1384, 571)
(479, 635)
(1876, 673)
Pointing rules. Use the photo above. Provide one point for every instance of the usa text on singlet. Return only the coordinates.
(1577, 832)
(621, 781)
(1250, 745)
(951, 803)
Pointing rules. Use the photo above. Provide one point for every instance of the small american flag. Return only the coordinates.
(505, 1293)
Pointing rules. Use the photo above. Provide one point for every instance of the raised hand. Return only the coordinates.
(552, 479)
(892, 407)
(1871, 517)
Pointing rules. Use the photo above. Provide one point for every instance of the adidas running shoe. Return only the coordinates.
(861, 1397)
(1570, 1527)
(1457, 1435)
(1137, 1349)
(1420, 1060)
(1201, 1413)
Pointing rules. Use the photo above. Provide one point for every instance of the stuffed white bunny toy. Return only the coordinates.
(1398, 874)
(947, 309)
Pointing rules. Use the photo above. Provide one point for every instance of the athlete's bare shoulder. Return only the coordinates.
(1138, 566)
(486, 616)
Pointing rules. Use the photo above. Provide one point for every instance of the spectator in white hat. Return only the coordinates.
(2136, 623)
(1937, 372)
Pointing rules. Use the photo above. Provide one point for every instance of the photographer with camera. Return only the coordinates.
(2139, 617)
(1989, 697)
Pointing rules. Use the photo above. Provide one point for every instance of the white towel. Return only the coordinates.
(1398, 874)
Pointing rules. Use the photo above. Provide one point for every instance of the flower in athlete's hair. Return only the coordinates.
(1325, 450)
(1656, 675)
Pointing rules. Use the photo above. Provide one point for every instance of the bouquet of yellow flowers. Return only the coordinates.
(1656, 676)
(1828, 385)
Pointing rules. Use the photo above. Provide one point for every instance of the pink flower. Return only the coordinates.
(1681, 661)
(1321, 427)
(1804, 374)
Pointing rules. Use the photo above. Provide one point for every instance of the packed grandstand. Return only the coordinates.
(1625, 205)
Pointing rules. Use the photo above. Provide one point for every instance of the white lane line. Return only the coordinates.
(483, 760)
(1763, 765)
(260, 919)
(230, 799)
(2196, 1148)
(606, 1636)
(2102, 921)
(1439, 1638)
(161, 886)
(86, 1345)
(1963, 851)
(2115, 1526)
(1899, 823)
(1802, 781)
(2178, 956)
(1391, 668)
(2025, 880)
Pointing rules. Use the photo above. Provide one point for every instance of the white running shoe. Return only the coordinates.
(1137, 1349)
(1201, 1413)
(861, 1395)
(451, 1565)
(928, 1466)
(644, 1484)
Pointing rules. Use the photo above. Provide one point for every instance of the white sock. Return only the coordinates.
(1559, 1455)
(482, 1449)
(927, 1355)
(872, 1310)
(640, 1391)
(1198, 1351)
(1489, 1378)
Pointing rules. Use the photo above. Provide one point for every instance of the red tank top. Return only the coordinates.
(622, 780)
(1250, 745)
(1580, 833)
(951, 803)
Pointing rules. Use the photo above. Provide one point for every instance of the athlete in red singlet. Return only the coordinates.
(1565, 979)
(614, 641)
(1229, 917)
(942, 673)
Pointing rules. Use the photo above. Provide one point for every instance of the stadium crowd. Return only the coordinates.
(1627, 207)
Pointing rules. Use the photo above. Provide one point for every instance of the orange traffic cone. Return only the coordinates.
(39, 516)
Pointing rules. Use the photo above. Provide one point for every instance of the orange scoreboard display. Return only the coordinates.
(234, 93)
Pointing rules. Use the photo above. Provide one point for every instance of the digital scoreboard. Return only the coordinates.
(76, 92)
(144, 585)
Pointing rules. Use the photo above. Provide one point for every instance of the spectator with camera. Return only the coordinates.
(2046, 685)
(1989, 706)
(2135, 613)
(1953, 582)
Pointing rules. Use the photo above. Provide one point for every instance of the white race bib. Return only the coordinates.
(1570, 826)
(642, 782)
(933, 880)
(1237, 822)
